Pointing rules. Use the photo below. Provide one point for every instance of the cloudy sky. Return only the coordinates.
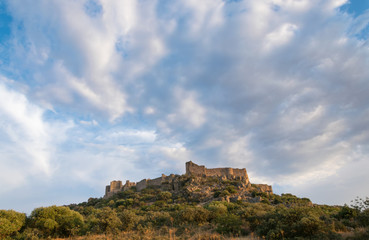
(97, 90)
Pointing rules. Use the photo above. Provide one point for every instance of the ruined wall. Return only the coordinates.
(107, 190)
(228, 172)
(264, 188)
(155, 181)
(240, 172)
(171, 182)
(141, 184)
(128, 185)
(194, 169)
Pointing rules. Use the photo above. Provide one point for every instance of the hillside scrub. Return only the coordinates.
(165, 215)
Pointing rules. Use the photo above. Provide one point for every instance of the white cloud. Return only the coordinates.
(128, 136)
(279, 37)
(188, 111)
(28, 139)
(238, 152)
(23, 124)
(96, 56)
(276, 86)
(292, 5)
(89, 123)
(204, 15)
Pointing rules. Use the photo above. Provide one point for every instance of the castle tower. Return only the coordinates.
(115, 185)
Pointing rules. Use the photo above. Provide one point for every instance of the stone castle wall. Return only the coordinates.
(128, 185)
(141, 184)
(227, 172)
(156, 181)
(194, 169)
(199, 170)
(264, 188)
(170, 182)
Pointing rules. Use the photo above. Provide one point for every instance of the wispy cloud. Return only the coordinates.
(29, 140)
(137, 88)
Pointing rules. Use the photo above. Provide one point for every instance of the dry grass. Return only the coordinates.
(160, 235)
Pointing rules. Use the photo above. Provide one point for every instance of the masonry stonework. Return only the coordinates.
(229, 173)
(114, 187)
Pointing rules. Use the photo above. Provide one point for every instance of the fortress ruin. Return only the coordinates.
(227, 173)
(168, 182)
(171, 182)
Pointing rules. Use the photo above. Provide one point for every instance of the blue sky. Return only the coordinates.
(356, 7)
(92, 91)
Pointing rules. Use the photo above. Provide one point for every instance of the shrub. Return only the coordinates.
(225, 193)
(159, 219)
(191, 215)
(56, 221)
(128, 218)
(347, 213)
(10, 222)
(231, 189)
(216, 209)
(104, 221)
(293, 223)
(164, 196)
(229, 224)
(217, 193)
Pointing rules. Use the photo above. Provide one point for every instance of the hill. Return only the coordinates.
(201, 204)
(200, 184)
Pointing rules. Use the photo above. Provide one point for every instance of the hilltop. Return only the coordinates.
(200, 184)
(203, 203)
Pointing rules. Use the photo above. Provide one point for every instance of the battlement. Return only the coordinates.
(229, 173)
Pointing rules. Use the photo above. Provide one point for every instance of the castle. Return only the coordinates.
(171, 182)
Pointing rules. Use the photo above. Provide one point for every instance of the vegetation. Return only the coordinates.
(156, 214)
(11, 222)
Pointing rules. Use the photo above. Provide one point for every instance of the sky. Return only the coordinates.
(98, 90)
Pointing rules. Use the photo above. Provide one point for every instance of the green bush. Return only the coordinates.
(56, 221)
(128, 218)
(363, 218)
(231, 189)
(11, 222)
(190, 215)
(224, 193)
(103, 220)
(164, 196)
(229, 224)
(347, 213)
(216, 209)
(293, 223)
(158, 219)
(217, 193)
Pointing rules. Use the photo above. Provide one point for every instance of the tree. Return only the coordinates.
(56, 221)
(11, 222)
(360, 203)
(128, 218)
